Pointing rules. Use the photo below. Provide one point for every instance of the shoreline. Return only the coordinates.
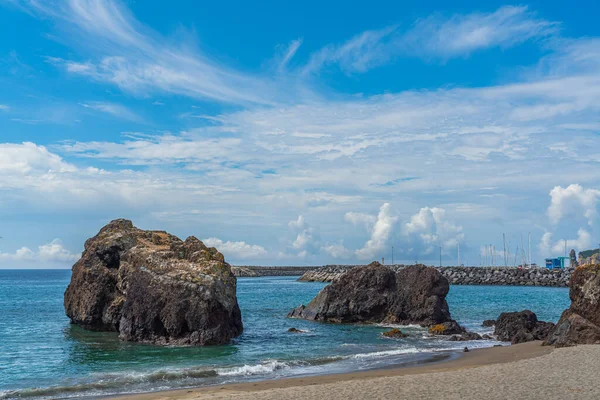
(475, 358)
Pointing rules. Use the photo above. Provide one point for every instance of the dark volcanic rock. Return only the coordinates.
(151, 286)
(489, 323)
(580, 323)
(374, 293)
(520, 327)
(394, 333)
(446, 328)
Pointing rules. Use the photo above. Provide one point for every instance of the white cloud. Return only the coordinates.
(298, 223)
(432, 228)
(302, 240)
(53, 253)
(337, 251)
(167, 148)
(130, 55)
(463, 34)
(27, 157)
(573, 200)
(359, 54)
(356, 218)
(116, 110)
(239, 251)
(4, 107)
(434, 37)
(286, 54)
(582, 242)
(380, 233)
(305, 242)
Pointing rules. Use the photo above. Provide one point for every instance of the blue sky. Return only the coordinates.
(300, 134)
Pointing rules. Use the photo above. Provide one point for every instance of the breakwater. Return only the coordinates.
(253, 271)
(510, 276)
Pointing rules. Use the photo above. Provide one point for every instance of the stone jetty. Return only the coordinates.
(244, 271)
(509, 276)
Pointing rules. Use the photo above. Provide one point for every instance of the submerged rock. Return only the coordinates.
(580, 323)
(520, 327)
(151, 286)
(295, 330)
(394, 333)
(374, 293)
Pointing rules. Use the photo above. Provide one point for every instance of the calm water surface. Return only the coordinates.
(42, 355)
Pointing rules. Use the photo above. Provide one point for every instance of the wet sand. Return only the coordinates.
(524, 371)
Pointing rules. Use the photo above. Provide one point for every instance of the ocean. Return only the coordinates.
(43, 356)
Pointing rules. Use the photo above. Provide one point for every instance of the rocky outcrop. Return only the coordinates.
(466, 275)
(394, 333)
(520, 327)
(580, 323)
(446, 328)
(151, 286)
(374, 293)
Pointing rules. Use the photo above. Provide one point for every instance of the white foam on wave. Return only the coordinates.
(257, 369)
(386, 353)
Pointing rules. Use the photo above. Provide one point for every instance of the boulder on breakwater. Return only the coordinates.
(580, 323)
(374, 293)
(465, 275)
(150, 286)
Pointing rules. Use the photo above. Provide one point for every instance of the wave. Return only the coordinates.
(111, 383)
(257, 369)
(387, 353)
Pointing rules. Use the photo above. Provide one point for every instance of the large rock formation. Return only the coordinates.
(520, 327)
(151, 286)
(374, 293)
(580, 323)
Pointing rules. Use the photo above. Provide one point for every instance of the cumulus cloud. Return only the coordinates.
(337, 251)
(305, 242)
(237, 250)
(380, 233)
(53, 253)
(355, 218)
(431, 227)
(582, 242)
(573, 200)
(28, 157)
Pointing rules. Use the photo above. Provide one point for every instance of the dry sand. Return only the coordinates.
(524, 371)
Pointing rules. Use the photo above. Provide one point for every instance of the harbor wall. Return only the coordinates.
(509, 276)
(254, 271)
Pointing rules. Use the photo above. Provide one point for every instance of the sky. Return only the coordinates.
(301, 134)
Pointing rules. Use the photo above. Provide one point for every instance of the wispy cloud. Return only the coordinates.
(435, 37)
(460, 35)
(286, 53)
(124, 52)
(113, 109)
(4, 107)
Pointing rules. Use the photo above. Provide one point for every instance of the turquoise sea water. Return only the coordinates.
(42, 355)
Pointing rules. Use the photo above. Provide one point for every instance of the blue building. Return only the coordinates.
(557, 262)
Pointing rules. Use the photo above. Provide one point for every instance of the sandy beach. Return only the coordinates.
(524, 371)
